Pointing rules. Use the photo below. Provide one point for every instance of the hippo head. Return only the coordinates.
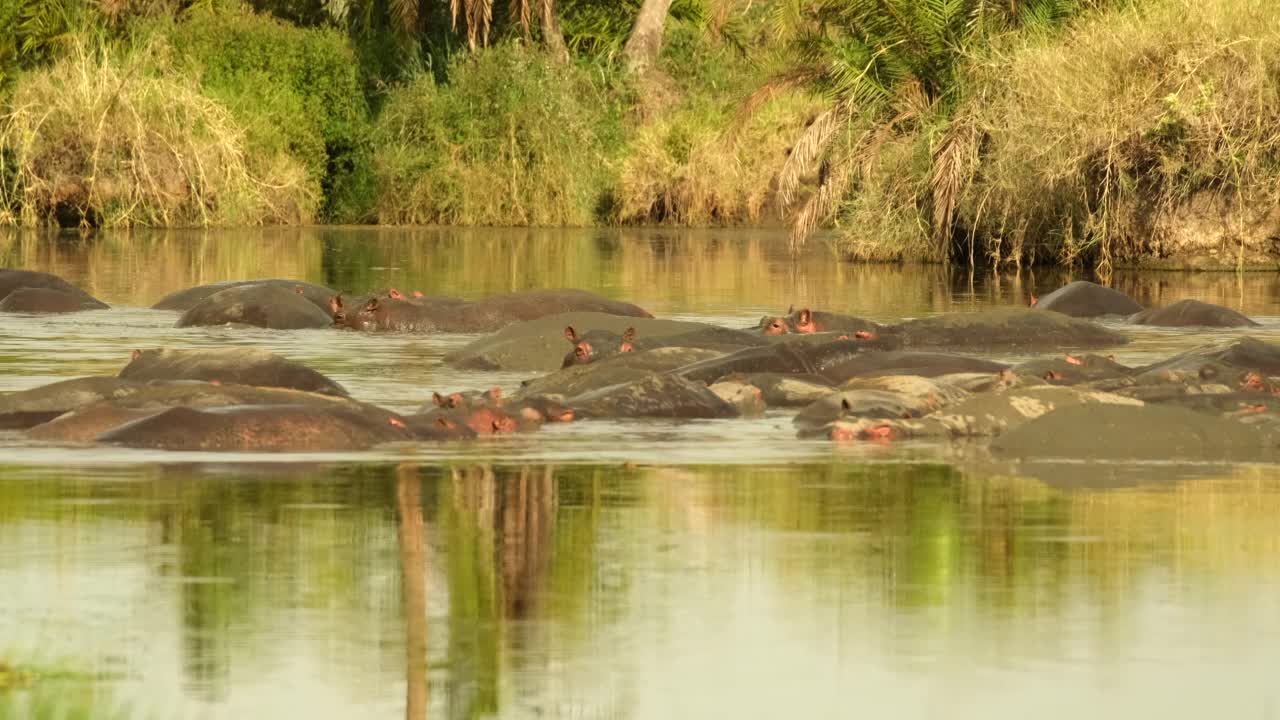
(489, 398)
(774, 326)
(335, 309)
(595, 345)
(802, 321)
(490, 421)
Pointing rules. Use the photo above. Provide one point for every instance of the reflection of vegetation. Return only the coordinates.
(36, 692)
(537, 563)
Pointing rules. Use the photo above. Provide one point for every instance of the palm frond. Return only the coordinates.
(808, 150)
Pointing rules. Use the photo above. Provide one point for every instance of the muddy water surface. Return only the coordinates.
(622, 569)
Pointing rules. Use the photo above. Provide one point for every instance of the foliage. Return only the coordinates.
(1098, 143)
(296, 91)
(883, 65)
(105, 137)
(512, 139)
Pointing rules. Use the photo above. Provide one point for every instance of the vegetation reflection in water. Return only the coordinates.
(473, 591)
(668, 271)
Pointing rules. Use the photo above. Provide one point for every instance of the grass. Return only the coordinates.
(511, 139)
(113, 137)
(1146, 132)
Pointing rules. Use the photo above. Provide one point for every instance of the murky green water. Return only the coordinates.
(638, 570)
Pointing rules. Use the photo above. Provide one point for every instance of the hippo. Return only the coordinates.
(241, 366)
(809, 321)
(1006, 329)
(784, 389)
(1071, 369)
(1227, 362)
(464, 400)
(89, 420)
(48, 300)
(579, 379)
(1084, 299)
(258, 428)
(787, 358)
(1113, 432)
(259, 304)
(982, 415)
(486, 315)
(39, 292)
(434, 426)
(655, 396)
(598, 344)
(538, 345)
(184, 300)
(922, 364)
(746, 399)
(481, 419)
(28, 408)
(1191, 312)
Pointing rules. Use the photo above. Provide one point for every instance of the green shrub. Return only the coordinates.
(116, 139)
(294, 89)
(1118, 139)
(512, 139)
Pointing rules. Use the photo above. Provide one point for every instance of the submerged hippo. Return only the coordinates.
(1136, 432)
(240, 366)
(1010, 329)
(599, 344)
(87, 422)
(486, 315)
(259, 428)
(27, 291)
(983, 415)
(539, 345)
(656, 396)
(183, 300)
(1228, 362)
(258, 304)
(1071, 369)
(1086, 300)
(31, 407)
(47, 300)
(807, 321)
(786, 358)
(780, 390)
(578, 379)
(1192, 312)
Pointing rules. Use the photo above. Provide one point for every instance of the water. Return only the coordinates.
(628, 569)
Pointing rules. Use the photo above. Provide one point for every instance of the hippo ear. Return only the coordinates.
(417, 293)
(395, 294)
(135, 354)
(439, 400)
(844, 405)
(298, 289)
(806, 316)
(335, 302)
(629, 335)
(791, 309)
(570, 334)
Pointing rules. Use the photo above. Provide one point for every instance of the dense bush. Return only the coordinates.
(511, 139)
(294, 89)
(116, 139)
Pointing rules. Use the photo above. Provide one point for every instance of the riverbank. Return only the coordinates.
(1114, 136)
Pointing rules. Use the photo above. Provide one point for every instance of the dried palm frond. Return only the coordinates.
(808, 150)
(406, 12)
(955, 159)
(834, 184)
(789, 80)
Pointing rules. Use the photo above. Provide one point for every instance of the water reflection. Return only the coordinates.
(670, 271)
(476, 591)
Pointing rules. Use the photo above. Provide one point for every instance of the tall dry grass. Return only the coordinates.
(698, 166)
(110, 137)
(1141, 133)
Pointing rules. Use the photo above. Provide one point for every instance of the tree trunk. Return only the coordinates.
(552, 35)
(641, 51)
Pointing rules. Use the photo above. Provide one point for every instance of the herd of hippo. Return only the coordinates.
(847, 378)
